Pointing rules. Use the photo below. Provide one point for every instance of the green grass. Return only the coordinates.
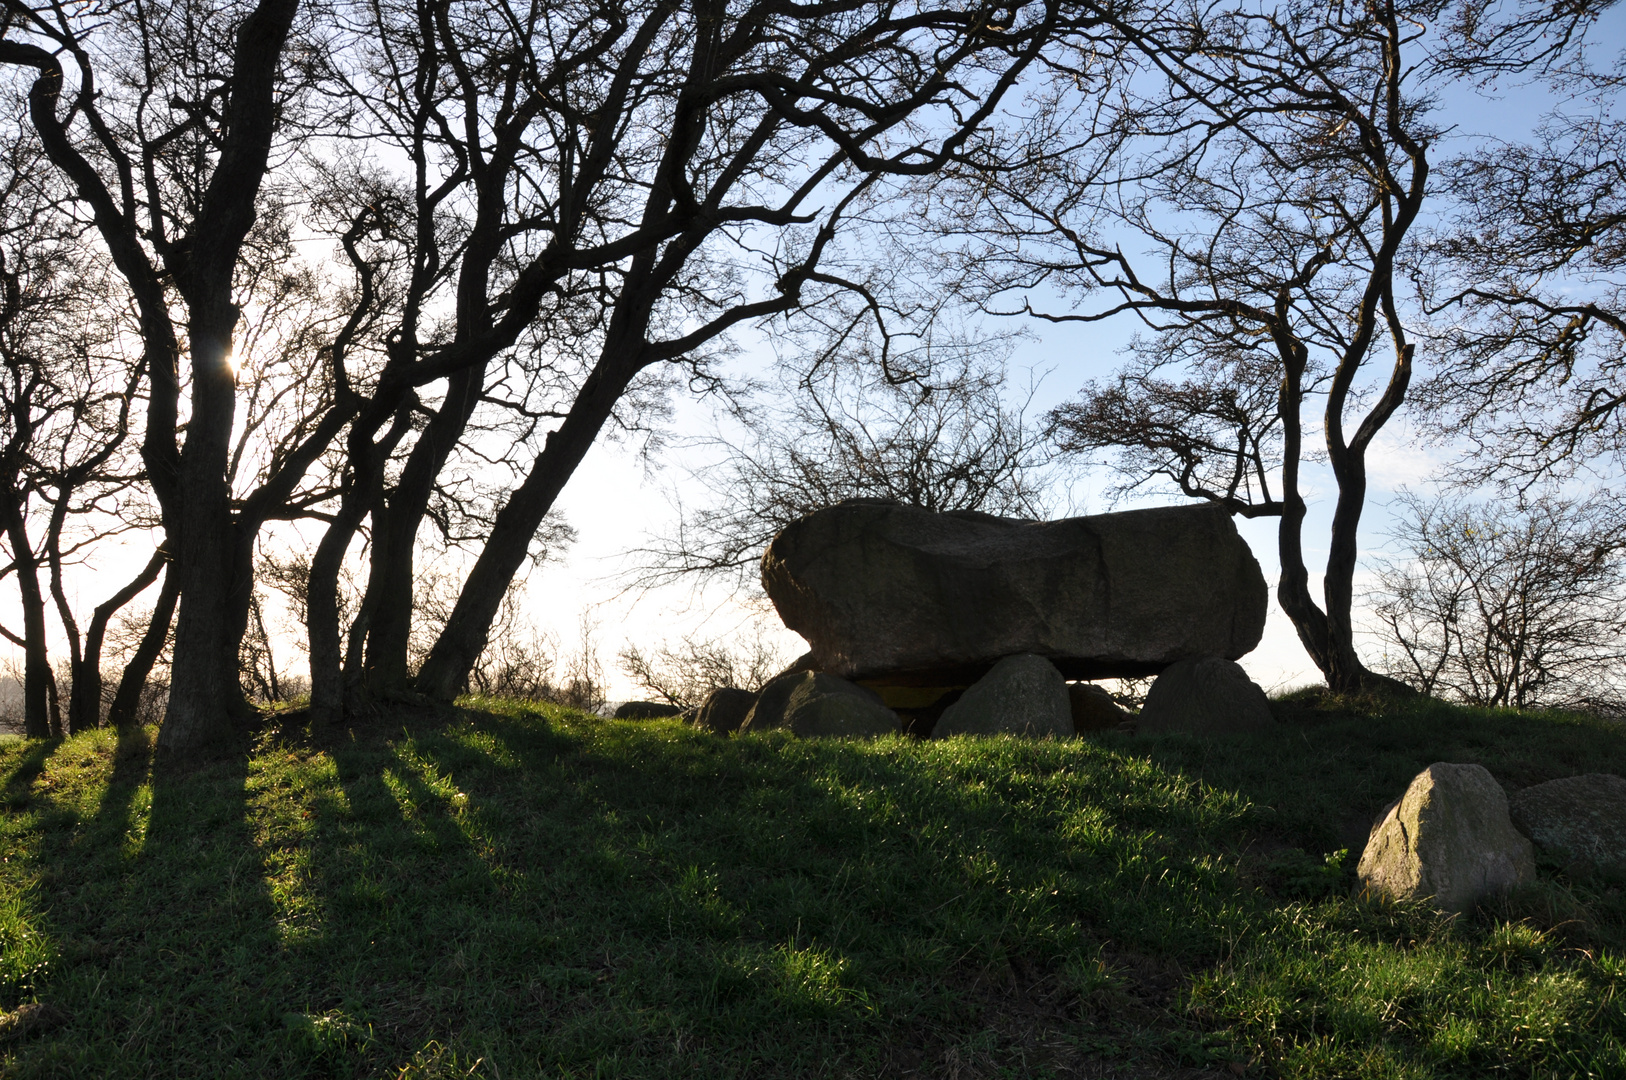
(511, 891)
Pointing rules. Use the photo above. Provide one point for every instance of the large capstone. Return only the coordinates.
(882, 589)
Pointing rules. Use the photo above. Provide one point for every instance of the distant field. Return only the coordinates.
(516, 891)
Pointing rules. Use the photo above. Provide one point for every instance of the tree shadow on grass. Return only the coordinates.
(388, 905)
(656, 901)
(1322, 776)
(557, 894)
(15, 793)
(673, 901)
(158, 904)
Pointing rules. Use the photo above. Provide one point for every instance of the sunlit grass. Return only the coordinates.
(518, 891)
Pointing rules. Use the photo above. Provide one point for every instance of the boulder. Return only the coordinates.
(803, 662)
(724, 710)
(1206, 696)
(646, 710)
(1449, 839)
(768, 711)
(1094, 709)
(880, 588)
(812, 704)
(1021, 695)
(1579, 820)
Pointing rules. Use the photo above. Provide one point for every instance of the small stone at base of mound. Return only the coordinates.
(1580, 820)
(1449, 839)
(645, 710)
(1022, 695)
(724, 710)
(812, 704)
(1094, 709)
(1207, 695)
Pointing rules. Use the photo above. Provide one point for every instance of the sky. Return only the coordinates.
(617, 499)
(614, 501)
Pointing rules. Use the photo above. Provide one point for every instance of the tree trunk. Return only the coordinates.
(70, 626)
(202, 683)
(127, 699)
(53, 704)
(388, 597)
(204, 690)
(446, 670)
(1344, 670)
(36, 661)
(85, 699)
(322, 616)
(239, 608)
(395, 534)
(1293, 587)
(329, 684)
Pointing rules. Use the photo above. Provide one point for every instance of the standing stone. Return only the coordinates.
(1580, 820)
(724, 710)
(1206, 696)
(880, 588)
(1094, 709)
(768, 711)
(1448, 838)
(812, 704)
(1022, 695)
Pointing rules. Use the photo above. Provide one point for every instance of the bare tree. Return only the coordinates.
(1270, 165)
(37, 244)
(69, 478)
(594, 193)
(1530, 283)
(1521, 605)
(1216, 436)
(683, 674)
(751, 135)
(166, 140)
(587, 183)
(841, 431)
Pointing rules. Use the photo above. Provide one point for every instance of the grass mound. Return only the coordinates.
(517, 891)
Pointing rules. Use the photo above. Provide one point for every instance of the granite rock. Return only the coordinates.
(880, 588)
(1448, 839)
(1021, 695)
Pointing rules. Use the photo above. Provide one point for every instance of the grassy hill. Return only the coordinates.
(513, 891)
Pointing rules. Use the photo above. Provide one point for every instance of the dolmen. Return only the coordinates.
(968, 623)
(884, 590)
